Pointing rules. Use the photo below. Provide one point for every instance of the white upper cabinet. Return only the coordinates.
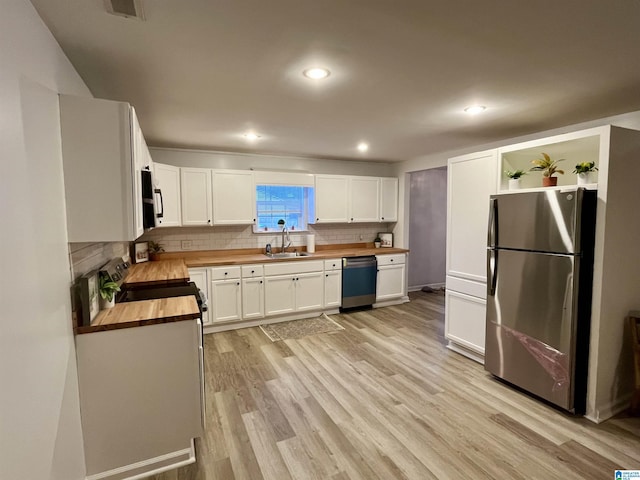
(101, 148)
(234, 197)
(471, 180)
(364, 199)
(388, 199)
(332, 194)
(195, 192)
(167, 179)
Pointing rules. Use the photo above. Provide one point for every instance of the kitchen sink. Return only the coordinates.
(287, 255)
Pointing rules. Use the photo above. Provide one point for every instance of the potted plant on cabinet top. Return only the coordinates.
(548, 167)
(514, 178)
(585, 171)
(107, 289)
(377, 242)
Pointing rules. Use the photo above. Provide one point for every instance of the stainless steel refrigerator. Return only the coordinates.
(539, 276)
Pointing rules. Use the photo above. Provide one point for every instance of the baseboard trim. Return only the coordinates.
(152, 466)
(611, 409)
(476, 357)
(235, 325)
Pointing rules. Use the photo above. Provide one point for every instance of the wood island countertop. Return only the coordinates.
(144, 312)
(166, 272)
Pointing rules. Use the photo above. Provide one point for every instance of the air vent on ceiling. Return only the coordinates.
(125, 8)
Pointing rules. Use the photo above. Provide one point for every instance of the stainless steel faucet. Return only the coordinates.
(285, 232)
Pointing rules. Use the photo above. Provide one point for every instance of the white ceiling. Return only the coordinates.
(202, 72)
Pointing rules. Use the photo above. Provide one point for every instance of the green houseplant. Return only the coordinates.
(514, 178)
(377, 242)
(107, 289)
(549, 168)
(585, 171)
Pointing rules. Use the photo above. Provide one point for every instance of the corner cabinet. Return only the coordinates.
(200, 276)
(388, 199)
(103, 152)
(471, 180)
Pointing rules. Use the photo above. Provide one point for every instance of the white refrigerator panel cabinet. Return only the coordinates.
(471, 180)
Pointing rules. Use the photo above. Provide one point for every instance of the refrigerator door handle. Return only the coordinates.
(492, 281)
(492, 240)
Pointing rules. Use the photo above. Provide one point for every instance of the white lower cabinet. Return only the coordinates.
(226, 294)
(309, 291)
(391, 277)
(465, 323)
(280, 294)
(200, 277)
(252, 298)
(141, 407)
(333, 288)
(293, 287)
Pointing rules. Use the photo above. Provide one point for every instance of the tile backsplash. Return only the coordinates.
(175, 239)
(85, 257)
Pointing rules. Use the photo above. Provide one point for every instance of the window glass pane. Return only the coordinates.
(281, 202)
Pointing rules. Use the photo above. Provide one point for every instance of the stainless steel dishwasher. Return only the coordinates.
(359, 281)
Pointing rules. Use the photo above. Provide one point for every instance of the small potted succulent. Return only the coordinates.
(514, 178)
(377, 242)
(107, 289)
(154, 249)
(585, 172)
(549, 168)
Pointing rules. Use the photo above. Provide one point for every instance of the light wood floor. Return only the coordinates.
(383, 399)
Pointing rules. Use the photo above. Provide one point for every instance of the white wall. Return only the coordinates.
(245, 161)
(40, 434)
(402, 169)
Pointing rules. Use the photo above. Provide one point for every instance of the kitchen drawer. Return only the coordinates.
(289, 268)
(469, 287)
(221, 273)
(391, 259)
(333, 264)
(252, 271)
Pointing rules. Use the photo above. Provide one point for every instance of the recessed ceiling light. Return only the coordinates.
(251, 136)
(363, 147)
(475, 109)
(316, 73)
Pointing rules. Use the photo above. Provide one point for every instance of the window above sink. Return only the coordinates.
(290, 203)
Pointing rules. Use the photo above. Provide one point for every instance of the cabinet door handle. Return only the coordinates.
(352, 219)
(317, 219)
(253, 271)
(391, 260)
(226, 273)
(238, 283)
(208, 221)
(260, 281)
(327, 275)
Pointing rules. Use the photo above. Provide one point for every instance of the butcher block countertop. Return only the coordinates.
(212, 258)
(144, 312)
(167, 272)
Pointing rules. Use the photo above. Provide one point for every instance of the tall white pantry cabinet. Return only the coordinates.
(471, 180)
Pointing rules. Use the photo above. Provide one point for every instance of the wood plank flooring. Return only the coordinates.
(383, 399)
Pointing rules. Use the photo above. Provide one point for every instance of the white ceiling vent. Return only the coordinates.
(125, 8)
